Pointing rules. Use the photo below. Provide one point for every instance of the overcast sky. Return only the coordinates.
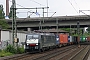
(61, 7)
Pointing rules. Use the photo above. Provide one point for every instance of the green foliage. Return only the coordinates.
(75, 35)
(20, 50)
(2, 14)
(86, 34)
(14, 50)
(4, 24)
(0, 50)
(88, 29)
(66, 29)
(11, 49)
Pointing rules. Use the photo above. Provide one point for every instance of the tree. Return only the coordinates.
(2, 12)
(4, 24)
(88, 29)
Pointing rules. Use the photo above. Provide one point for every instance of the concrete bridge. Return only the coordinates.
(50, 22)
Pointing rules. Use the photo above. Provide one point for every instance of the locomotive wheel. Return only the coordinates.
(43, 49)
(60, 45)
(40, 51)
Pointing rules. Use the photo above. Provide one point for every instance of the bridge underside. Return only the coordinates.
(49, 27)
(50, 23)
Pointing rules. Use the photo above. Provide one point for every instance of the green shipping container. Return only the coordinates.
(82, 38)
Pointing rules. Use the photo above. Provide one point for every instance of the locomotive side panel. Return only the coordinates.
(48, 41)
(39, 42)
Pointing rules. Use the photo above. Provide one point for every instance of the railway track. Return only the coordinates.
(64, 53)
(78, 54)
(55, 53)
(13, 56)
(39, 55)
(32, 56)
(81, 54)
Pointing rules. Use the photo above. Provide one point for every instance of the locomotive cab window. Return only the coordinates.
(32, 37)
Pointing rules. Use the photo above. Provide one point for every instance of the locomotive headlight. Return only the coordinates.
(36, 44)
(57, 39)
(27, 44)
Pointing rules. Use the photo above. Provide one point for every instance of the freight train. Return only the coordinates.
(45, 41)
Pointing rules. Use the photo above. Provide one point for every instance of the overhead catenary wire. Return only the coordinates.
(84, 12)
(18, 4)
(42, 5)
(21, 6)
(73, 6)
(25, 7)
(36, 2)
(76, 4)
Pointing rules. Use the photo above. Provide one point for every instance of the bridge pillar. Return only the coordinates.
(29, 29)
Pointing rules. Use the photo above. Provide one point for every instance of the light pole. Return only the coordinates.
(70, 30)
(14, 25)
(78, 32)
(47, 8)
(57, 24)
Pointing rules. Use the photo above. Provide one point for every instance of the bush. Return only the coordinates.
(20, 50)
(14, 50)
(10, 49)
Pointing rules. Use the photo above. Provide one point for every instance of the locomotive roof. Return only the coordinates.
(41, 34)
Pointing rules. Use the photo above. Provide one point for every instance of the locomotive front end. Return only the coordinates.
(32, 43)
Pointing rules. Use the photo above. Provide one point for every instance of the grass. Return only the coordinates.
(3, 53)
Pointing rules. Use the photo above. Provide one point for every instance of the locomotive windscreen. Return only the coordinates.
(31, 39)
(32, 36)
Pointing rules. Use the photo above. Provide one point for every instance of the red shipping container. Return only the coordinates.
(88, 38)
(63, 38)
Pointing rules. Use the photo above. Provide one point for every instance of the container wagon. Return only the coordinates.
(88, 38)
(82, 39)
(70, 40)
(63, 39)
